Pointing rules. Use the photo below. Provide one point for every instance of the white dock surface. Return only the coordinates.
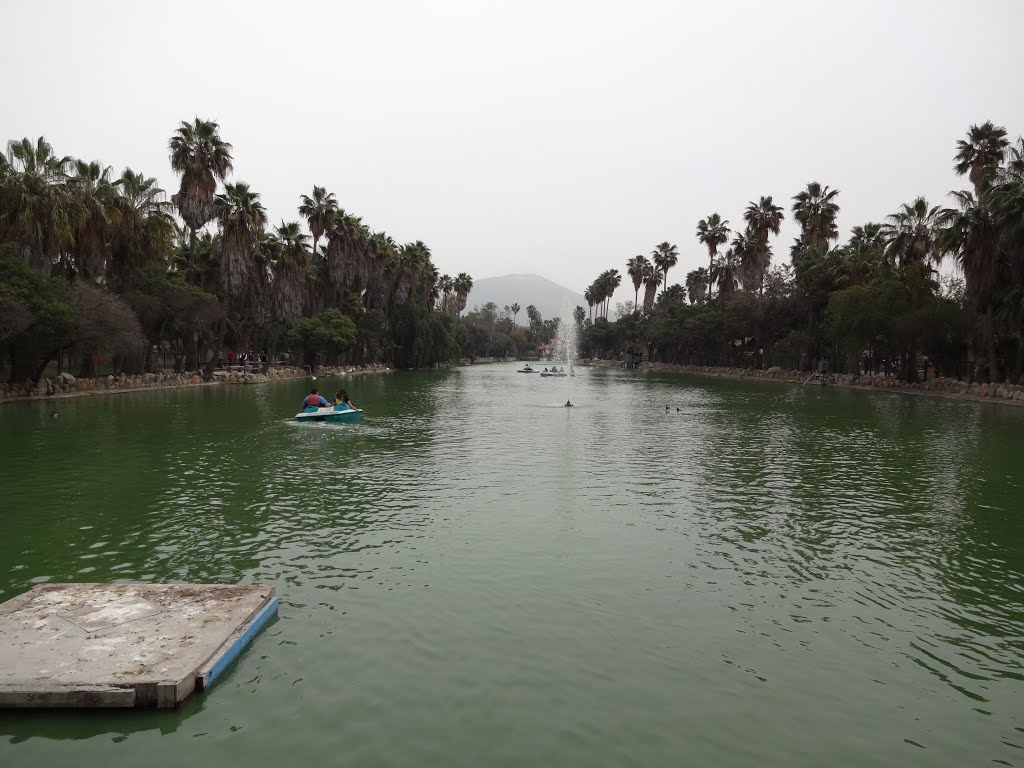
(123, 645)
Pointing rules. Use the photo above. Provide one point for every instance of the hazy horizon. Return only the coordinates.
(551, 139)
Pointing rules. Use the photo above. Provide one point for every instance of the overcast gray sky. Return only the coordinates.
(559, 138)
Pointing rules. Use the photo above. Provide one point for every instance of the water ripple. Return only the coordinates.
(474, 567)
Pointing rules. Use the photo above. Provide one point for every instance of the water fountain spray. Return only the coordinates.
(567, 341)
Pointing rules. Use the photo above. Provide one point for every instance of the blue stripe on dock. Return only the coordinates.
(258, 622)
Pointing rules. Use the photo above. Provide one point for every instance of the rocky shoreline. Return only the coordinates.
(1008, 394)
(66, 385)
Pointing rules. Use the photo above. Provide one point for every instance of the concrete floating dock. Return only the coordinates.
(124, 645)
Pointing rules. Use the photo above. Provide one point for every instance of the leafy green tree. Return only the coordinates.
(37, 316)
(857, 317)
(172, 312)
(327, 333)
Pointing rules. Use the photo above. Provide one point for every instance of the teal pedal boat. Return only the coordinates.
(330, 413)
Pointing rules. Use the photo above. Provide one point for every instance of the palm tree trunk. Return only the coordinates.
(990, 339)
(190, 272)
(636, 298)
(711, 268)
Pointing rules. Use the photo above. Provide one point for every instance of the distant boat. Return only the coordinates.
(557, 374)
(330, 413)
(527, 369)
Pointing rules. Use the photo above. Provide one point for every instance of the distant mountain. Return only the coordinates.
(524, 290)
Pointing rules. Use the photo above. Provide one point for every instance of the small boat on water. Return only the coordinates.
(330, 413)
(558, 375)
(527, 369)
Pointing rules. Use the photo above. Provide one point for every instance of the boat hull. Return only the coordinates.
(330, 414)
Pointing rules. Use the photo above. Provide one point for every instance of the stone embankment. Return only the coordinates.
(1011, 394)
(66, 385)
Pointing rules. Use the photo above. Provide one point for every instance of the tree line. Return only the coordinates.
(95, 266)
(880, 301)
(493, 332)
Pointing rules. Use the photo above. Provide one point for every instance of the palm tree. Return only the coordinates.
(635, 269)
(38, 209)
(145, 229)
(910, 233)
(97, 197)
(377, 262)
(665, 256)
(726, 274)
(652, 279)
(287, 252)
(1006, 197)
(763, 219)
(202, 158)
(352, 259)
(241, 217)
(611, 284)
(870, 234)
(712, 232)
(860, 260)
(816, 211)
(515, 311)
(981, 154)
(697, 285)
(463, 285)
(446, 285)
(968, 233)
(591, 296)
(746, 250)
(318, 209)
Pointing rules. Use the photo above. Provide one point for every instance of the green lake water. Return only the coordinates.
(474, 575)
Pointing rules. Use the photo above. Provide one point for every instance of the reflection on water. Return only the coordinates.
(475, 574)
